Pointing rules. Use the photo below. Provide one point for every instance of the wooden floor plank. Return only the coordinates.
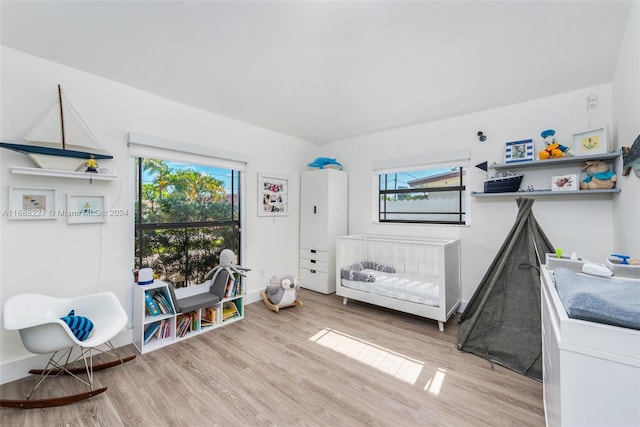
(324, 363)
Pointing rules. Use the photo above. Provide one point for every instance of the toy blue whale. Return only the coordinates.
(325, 162)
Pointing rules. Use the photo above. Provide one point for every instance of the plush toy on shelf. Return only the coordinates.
(281, 293)
(228, 262)
(598, 176)
(552, 148)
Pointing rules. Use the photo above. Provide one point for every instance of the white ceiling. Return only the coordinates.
(322, 70)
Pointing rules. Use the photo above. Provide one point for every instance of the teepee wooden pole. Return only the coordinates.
(61, 117)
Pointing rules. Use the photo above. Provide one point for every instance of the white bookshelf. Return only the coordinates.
(199, 323)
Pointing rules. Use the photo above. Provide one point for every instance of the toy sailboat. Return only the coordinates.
(507, 183)
(60, 140)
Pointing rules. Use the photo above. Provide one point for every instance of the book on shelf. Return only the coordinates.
(229, 311)
(167, 329)
(187, 322)
(163, 303)
(233, 287)
(194, 321)
(209, 314)
(150, 303)
(161, 306)
(151, 330)
(229, 288)
(238, 287)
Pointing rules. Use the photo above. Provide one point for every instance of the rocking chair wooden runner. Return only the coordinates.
(38, 318)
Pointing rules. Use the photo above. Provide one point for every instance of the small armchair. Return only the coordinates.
(39, 320)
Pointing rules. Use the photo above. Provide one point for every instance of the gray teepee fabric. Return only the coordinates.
(502, 320)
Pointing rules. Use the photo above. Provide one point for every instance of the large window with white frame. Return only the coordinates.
(423, 195)
(188, 206)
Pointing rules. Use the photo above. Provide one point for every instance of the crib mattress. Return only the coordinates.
(400, 286)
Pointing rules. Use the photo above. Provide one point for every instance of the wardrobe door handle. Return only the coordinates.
(313, 271)
(315, 210)
(313, 261)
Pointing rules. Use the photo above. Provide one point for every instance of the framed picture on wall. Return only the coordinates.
(31, 203)
(518, 151)
(592, 141)
(273, 195)
(85, 209)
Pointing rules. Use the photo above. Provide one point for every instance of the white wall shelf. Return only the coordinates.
(62, 174)
(561, 163)
(555, 162)
(546, 193)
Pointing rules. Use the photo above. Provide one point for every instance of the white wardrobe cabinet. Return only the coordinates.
(323, 217)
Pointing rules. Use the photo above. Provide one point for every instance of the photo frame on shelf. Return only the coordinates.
(518, 151)
(594, 141)
(31, 203)
(273, 195)
(568, 182)
(85, 209)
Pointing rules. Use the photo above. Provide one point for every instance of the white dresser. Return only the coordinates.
(591, 371)
(323, 217)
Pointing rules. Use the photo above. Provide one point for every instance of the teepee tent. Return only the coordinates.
(502, 320)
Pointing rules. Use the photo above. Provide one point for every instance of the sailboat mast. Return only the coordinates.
(61, 117)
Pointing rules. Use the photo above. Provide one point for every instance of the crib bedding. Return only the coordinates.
(596, 299)
(399, 286)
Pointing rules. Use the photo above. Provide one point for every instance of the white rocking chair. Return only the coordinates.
(38, 318)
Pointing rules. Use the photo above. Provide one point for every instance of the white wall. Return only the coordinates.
(626, 113)
(574, 223)
(58, 259)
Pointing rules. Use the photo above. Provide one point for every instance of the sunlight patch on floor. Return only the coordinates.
(382, 359)
(434, 385)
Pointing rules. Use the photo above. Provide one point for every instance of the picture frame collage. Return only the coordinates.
(273, 195)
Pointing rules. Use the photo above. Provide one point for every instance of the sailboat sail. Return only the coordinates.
(44, 142)
(78, 136)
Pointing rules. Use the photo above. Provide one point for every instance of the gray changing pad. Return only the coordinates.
(597, 299)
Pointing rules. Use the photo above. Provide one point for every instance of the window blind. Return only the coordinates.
(431, 161)
(147, 146)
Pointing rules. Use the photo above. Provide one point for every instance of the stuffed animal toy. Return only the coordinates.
(228, 263)
(598, 176)
(362, 271)
(282, 292)
(552, 148)
(325, 163)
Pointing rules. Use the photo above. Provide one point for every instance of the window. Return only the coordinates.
(427, 196)
(186, 214)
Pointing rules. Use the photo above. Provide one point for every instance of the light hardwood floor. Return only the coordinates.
(323, 364)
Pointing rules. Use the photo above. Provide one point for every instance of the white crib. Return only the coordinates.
(420, 276)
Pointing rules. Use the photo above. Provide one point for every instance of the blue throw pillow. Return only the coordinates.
(79, 325)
